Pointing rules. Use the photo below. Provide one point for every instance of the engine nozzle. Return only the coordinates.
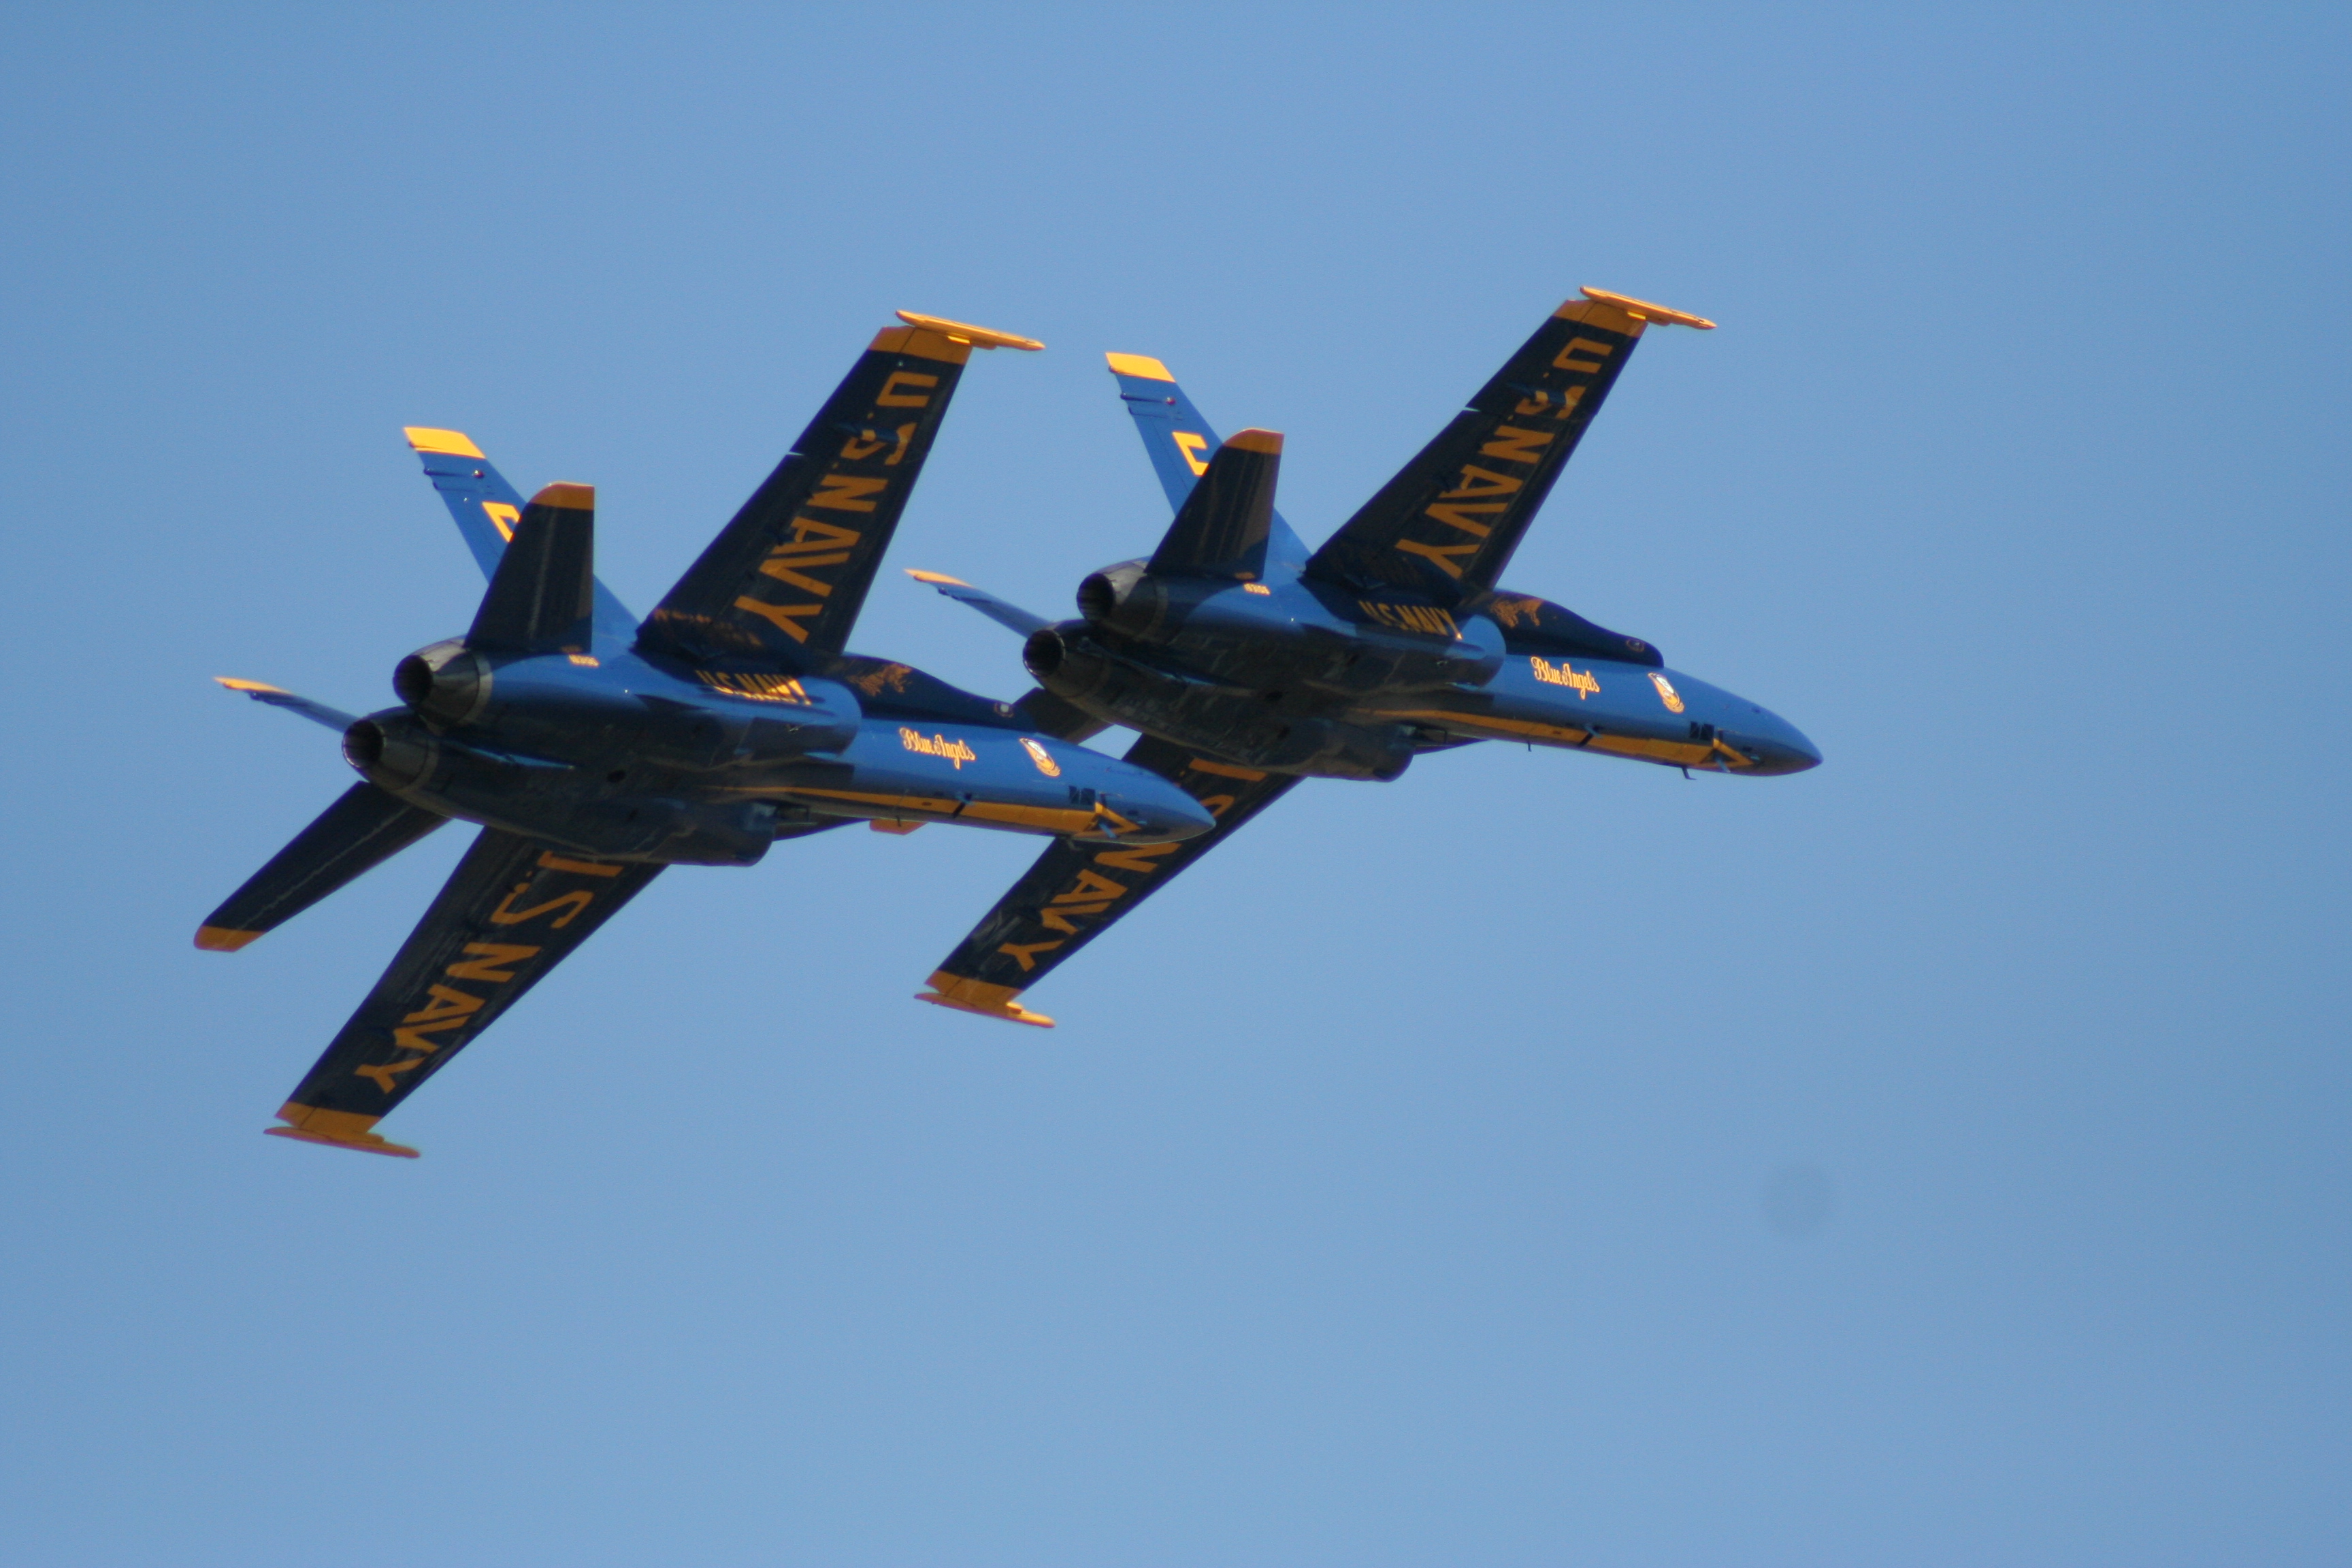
(448, 682)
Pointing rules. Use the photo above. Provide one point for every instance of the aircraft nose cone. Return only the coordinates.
(1779, 746)
(1163, 812)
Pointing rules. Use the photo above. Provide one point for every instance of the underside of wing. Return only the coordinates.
(1447, 525)
(1076, 890)
(512, 910)
(784, 582)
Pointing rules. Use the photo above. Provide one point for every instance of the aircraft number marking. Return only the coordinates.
(1192, 445)
(503, 518)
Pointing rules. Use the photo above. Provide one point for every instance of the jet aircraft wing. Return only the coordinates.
(784, 582)
(512, 910)
(487, 510)
(1076, 890)
(1446, 524)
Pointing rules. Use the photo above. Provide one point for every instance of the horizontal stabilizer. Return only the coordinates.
(360, 832)
(485, 510)
(981, 599)
(1221, 529)
(278, 697)
(540, 599)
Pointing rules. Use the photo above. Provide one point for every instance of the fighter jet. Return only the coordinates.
(595, 750)
(1250, 663)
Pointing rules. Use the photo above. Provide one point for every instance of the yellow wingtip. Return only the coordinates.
(1267, 442)
(337, 1129)
(940, 578)
(424, 439)
(965, 332)
(235, 685)
(1660, 315)
(967, 995)
(1143, 365)
(221, 939)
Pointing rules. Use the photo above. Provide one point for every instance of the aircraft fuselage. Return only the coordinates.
(1314, 678)
(635, 758)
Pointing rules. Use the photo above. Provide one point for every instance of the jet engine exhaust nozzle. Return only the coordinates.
(398, 758)
(1044, 652)
(448, 681)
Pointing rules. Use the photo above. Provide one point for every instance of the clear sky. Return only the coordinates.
(1940, 1157)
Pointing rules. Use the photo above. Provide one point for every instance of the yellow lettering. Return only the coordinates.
(860, 447)
(1477, 482)
(1457, 515)
(772, 567)
(1056, 918)
(781, 615)
(383, 1071)
(1567, 360)
(447, 1002)
(1442, 553)
(1091, 885)
(1514, 445)
(841, 493)
(956, 751)
(502, 517)
(505, 915)
(1137, 857)
(411, 1037)
(891, 397)
(1192, 446)
(551, 861)
(1021, 953)
(1580, 681)
(905, 433)
(1223, 770)
(1216, 805)
(809, 534)
(489, 958)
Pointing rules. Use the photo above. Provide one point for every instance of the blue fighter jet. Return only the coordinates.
(1250, 663)
(595, 750)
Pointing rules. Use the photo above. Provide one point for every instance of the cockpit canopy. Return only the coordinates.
(1531, 625)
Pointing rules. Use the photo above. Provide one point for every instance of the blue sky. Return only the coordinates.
(1938, 1158)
